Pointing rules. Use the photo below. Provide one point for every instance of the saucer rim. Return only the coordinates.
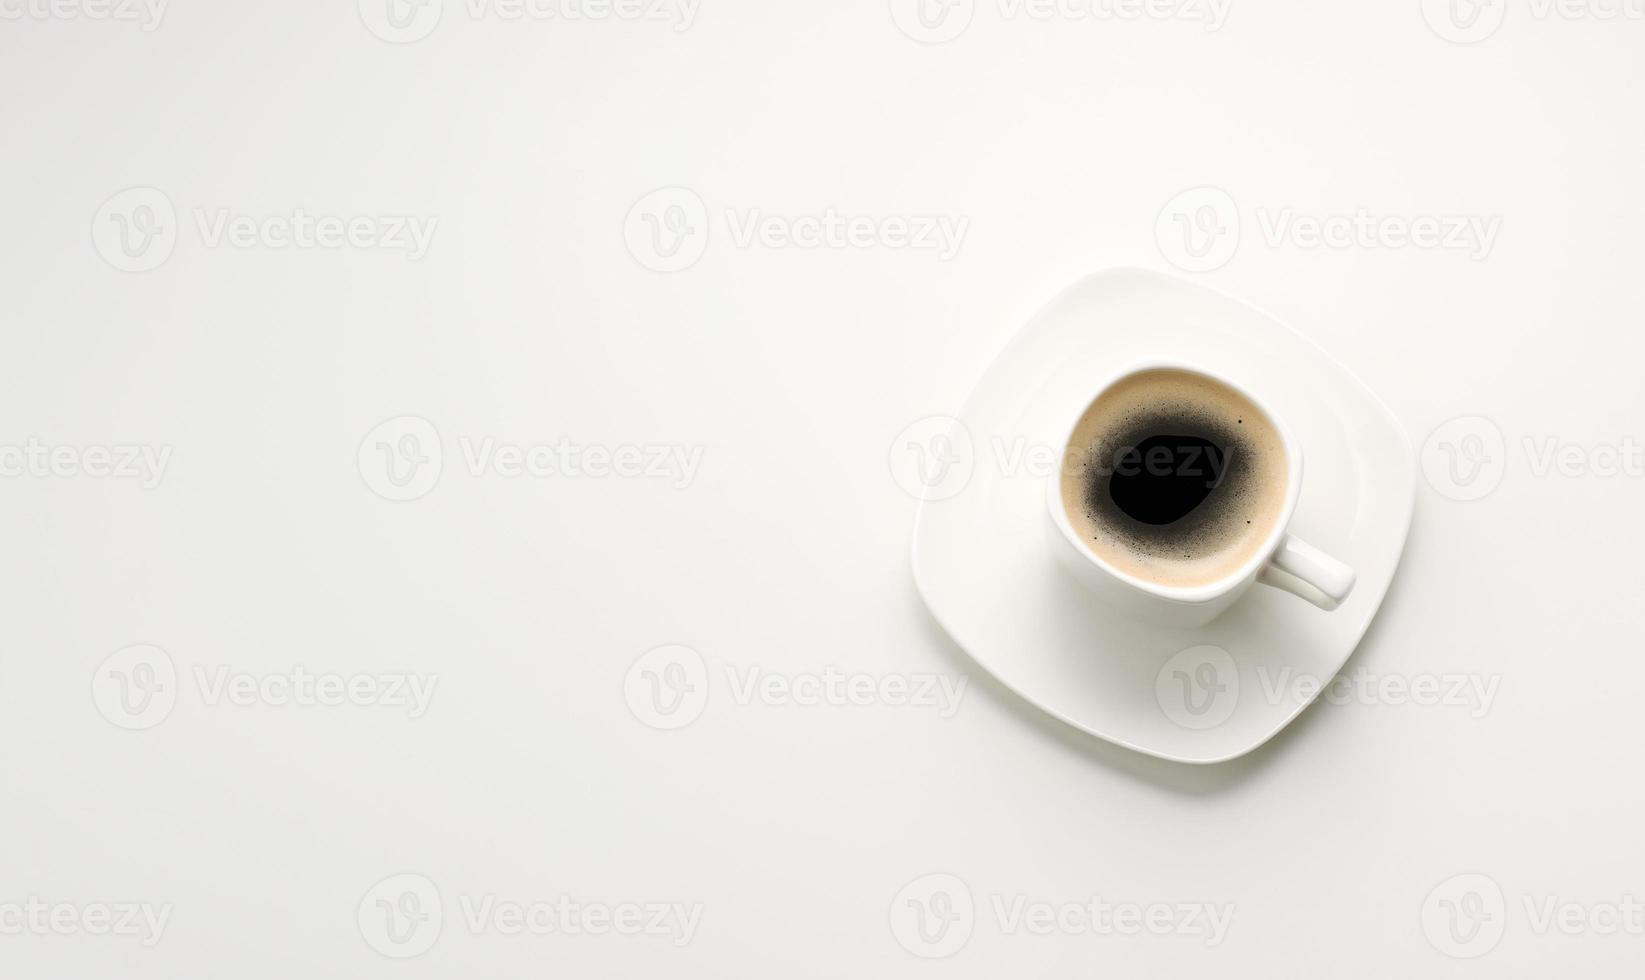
(1406, 501)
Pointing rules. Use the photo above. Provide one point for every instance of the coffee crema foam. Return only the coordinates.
(1174, 477)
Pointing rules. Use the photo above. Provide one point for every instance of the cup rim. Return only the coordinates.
(1188, 594)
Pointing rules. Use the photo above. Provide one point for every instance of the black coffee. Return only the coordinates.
(1161, 479)
(1172, 476)
(1166, 481)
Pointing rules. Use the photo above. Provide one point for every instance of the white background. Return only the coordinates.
(265, 547)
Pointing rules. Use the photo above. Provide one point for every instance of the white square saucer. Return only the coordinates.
(983, 564)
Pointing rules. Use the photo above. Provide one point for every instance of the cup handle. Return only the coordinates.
(1309, 573)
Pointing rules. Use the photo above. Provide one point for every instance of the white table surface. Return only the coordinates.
(783, 830)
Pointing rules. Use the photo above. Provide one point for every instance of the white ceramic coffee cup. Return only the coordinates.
(1282, 561)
